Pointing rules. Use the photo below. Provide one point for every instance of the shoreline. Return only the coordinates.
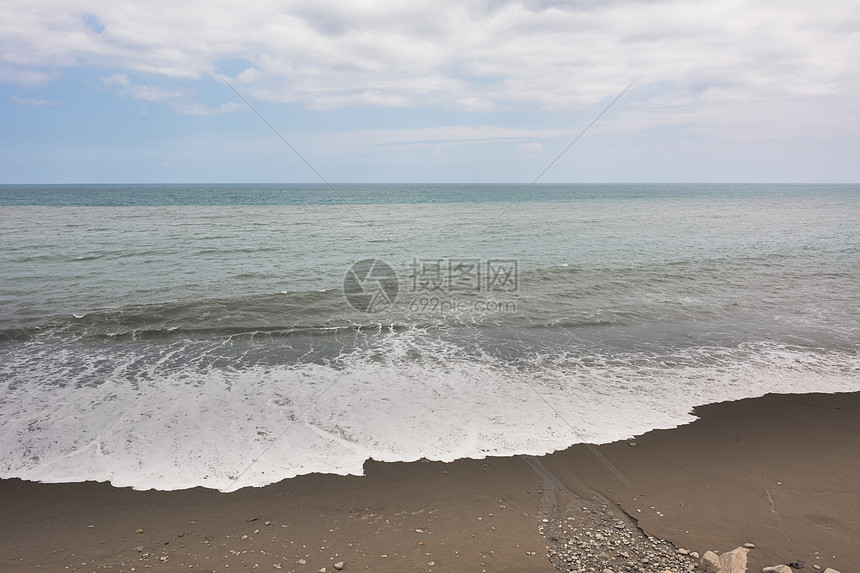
(777, 471)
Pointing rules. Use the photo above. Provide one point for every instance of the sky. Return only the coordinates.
(108, 91)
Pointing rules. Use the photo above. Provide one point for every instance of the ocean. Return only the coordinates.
(172, 336)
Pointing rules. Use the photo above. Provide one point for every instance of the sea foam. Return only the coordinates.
(168, 427)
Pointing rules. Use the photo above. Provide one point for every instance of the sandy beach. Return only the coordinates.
(779, 472)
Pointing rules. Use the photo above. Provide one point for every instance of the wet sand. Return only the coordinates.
(778, 471)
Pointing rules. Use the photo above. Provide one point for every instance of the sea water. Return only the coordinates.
(224, 336)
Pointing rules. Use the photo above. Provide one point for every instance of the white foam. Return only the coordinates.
(153, 427)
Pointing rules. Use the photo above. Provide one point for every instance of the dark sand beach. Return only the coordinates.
(779, 472)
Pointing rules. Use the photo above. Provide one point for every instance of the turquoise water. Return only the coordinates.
(171, 336)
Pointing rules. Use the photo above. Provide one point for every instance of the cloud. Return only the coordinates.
(436, 138)
(200, 109)
(474, 55)
(727, 70)
(26, 78)
(139, 91)
(33, 102)
(177, 99)
(530, 147)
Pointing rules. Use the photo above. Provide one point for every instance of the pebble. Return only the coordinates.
(138, 531)
(339, 565)
(598, 541)
(749, 545)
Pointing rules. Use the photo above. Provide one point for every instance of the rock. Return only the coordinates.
(694, 554)
(683, 551)
(816, 566)
(797, 564)
(749, 545)
(138, 531)
(734, 561)
(829, 570)
(431, 563)
(777, 569)
(339, 565)
(711, 562)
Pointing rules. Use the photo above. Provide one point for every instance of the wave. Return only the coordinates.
(173, 416)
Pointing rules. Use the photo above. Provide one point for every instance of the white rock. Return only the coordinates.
(777, 569)
(734, 561)
(694, 554)
(711, 562)
(749, 545)
(829, 570)
(339, 565)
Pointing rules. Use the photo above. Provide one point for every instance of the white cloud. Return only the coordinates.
(435, 138)
(140, 91)
(26, 78)
(484, 55)
(33, 102)
(200, 109)
(530, 147)
(727, 69)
